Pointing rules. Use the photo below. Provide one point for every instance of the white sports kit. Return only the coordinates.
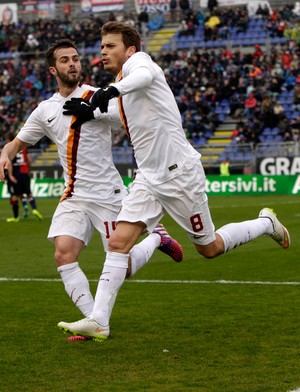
(170, 176)
(93, 186)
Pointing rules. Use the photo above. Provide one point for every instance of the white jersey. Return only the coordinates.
(85, 153)
(153, 122)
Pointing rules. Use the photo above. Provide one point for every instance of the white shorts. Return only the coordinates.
(183, 198)
(78, 219)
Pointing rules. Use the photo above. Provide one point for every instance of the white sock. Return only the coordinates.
(77, 286)
(141, 253)
(111, 279)
(236, 234)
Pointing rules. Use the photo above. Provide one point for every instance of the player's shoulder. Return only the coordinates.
(55, 98)
(138, 60)
(139, 57)
(87, 87)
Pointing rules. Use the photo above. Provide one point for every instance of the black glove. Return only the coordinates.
(102, 96)
(81, 108)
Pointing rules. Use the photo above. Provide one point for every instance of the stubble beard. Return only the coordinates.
(68, 80)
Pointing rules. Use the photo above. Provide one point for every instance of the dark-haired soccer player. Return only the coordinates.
(18, 184)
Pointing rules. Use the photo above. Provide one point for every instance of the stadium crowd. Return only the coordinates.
(249, 82)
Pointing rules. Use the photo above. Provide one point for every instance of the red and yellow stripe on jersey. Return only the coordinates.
(72, 147)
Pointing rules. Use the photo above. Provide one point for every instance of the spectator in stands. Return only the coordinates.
(277, 71)
(238, 135)
(184, 7)
(250, 105)
(259, 12)
(173, 11)
(235, 133)
(286, 12)
(212, 5)
(32, 44)
(186, 28)
(211, 28)
(242, 20)
(275, 86)
(225, 90)
(265, 11)
(289, 81)
(253, 137)
(281, 26)
(267, 115)
(256, 71)
(296, 96)
(143, 20)
(295, 124)
(286, 60)
(287, 136)
(237, 106)
(190, 27)
(271, 27)
(258, 53)
(295, 63)
(182, 29)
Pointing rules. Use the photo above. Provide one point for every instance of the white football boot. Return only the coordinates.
(87, 327)
(280, 233)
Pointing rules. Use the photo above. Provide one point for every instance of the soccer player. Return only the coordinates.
(170, 176)
(93, 186)
(18, 184)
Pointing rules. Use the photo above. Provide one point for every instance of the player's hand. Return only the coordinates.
(81, 108)
(4, 164)
(13, 179)
(102, 96)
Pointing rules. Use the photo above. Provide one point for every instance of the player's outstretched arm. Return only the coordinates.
(102, 96)
(84, 111)
(8, 153)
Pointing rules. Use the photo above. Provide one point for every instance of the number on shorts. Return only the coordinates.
(196, 222)
(107, 228)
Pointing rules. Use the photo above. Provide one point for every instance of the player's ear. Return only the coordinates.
(131, 50)
(52, 70)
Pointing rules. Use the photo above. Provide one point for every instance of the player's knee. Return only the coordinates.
(14, 201)
(209, 251)
(117, 245)
(63, 258)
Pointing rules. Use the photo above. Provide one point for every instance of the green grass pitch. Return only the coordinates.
(230, 324)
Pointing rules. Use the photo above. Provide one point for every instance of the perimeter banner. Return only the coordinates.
(234, 185)
(41, 8)
(152, 6)
(92, 6)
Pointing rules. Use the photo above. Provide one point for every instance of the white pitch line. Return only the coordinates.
(241, 282)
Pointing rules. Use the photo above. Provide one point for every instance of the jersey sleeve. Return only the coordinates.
(139, 72)
(112, 117)
(33, 129)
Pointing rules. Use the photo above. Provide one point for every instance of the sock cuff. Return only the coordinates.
(67, 266)
(225, 237)
(114, 259)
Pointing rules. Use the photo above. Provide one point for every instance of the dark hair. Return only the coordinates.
(62, 43)
(130, 35)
